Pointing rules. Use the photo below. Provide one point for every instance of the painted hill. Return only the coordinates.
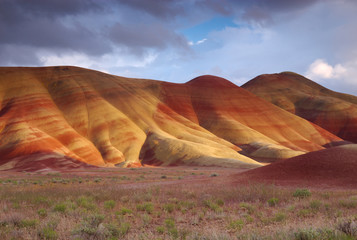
(335, 112)
(335, 166)
(105, 120)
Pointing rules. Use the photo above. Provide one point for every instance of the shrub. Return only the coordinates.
(213, 206)
(273, 202)
(171, 228)
(28, 223)
(48, 233)
(160, 229)
(214, 175)
(315, 205)
(169, 223)
(110, 204)
(320, 234)
(305, 234)
(248, 219)
(146, 219)
(279, 217)
(248, 207)
(14, 219)
(125, 211)
(302, 193)
(173, 232)
(236, 225)
(115, 231)
(348, 204)
(60, 207)
(147, 207)
(85, 202)
(42, 212)
(305, 213)
(94, 220)
(41, 200)
(124, 229)
(220, 202)
(163, 176)
(169, 207)
(348, 227)
(92, 226)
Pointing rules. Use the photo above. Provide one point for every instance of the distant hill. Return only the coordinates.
(333, 111)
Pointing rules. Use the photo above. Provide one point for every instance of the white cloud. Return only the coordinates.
(320, 69)
(101, 63)
(74, 59)
(340, 77)
(191, 43)
(201, 41)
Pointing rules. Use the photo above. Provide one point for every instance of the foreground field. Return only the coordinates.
(168, 203)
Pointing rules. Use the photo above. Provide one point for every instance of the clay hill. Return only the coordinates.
(333, 167)
(69, 117)
(335, 112)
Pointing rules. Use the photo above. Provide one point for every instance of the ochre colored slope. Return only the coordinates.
(335, 112)
(105, 120)
(101, 120)
(261, 129)
(335, 166)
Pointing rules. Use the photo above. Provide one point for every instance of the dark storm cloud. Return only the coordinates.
(18, 10)
(18, 55)
(158, 8)
(38, 24)
(283, 4)
(140, 37)
(60, 26)
(40, 32)
(254, 10)
(263, 11)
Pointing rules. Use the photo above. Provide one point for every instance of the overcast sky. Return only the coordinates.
(177, 40)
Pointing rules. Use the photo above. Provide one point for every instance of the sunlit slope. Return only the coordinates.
(105, 120)
(261, 129)
(101, 120)
(333, 111)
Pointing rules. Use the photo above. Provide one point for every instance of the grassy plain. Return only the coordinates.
(169, 203)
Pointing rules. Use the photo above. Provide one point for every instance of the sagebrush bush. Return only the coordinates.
(273, 202)
(302, 193)
(125, 211)
(60, 207)
(110, 204)
(147, 207)
(48, 233)
(236, 225)
(42, 212)
(349, 227)
(168, 207)
(28, 223)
